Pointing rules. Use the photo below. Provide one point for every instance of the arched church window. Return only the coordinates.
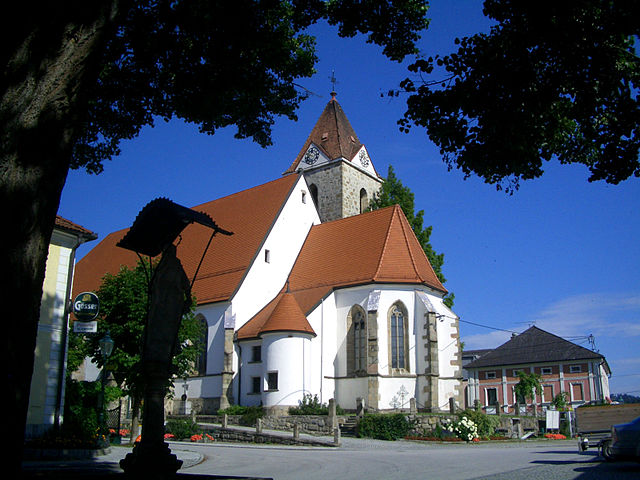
(313, 190)
(398, 337)
(200, 366)
(356, 340)
(364, 200)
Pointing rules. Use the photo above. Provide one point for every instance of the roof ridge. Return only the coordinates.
(406, 240)
(246, 190)
(385, 243)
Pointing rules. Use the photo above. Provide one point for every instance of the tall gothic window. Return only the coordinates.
(356, 340)
(398, 340)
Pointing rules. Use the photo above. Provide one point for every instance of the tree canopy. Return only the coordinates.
(235, 63)
(528, 385)
(393, 192)
(124, 310)
(551, 80)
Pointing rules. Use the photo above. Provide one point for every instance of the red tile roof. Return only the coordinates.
(282, 314)
(375, 247)
(249, 214)
(333, 134)
(69, 226)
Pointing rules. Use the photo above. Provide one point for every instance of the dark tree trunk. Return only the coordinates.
(41, 105)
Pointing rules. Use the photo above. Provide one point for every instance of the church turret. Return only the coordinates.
(337, 167)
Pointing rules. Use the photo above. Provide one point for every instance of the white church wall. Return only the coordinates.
(210, 385)
(448, 343)
(289, 356)
(202, 387)
(214, 314)
(349, 389)
(391, 390)
(324, 350)
(247, 371)
(269, 271)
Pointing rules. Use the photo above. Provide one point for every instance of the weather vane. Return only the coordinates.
(333, 81)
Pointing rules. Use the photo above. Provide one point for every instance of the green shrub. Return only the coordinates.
(310, 405)
(233, 410)
(182, 428)
(248, 415)
(383, 426)
(486, 424)
(251, 416)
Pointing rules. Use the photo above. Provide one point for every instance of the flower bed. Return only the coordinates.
(555, 436)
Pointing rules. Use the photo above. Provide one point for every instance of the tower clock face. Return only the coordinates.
(311, 156)
(364, 158)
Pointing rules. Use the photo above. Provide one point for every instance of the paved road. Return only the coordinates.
(371, 460)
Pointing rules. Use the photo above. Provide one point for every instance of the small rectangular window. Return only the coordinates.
(516, 372)
(255, 384)
(272, 381)
(546, 371)
(492, 396)
(491, 375)
(267, 256)
(256, 353)
(575, 368)
(304, 197)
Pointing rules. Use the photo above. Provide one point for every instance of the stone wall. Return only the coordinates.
(311, 424)
(423, 424)
(247, 436)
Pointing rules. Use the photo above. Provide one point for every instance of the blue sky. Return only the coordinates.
(561, 253)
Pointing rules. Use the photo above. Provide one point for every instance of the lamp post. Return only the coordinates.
(106, 347)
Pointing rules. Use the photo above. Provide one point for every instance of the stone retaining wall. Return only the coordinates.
(246, 436)
(321, 424)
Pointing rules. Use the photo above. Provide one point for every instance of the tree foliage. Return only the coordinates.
(228, 63)
(393, 192)
(528, 385)
(552, 80)
(124, 307)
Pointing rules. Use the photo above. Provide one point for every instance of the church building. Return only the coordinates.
(312, 294)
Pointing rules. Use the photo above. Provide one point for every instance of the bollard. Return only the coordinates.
(333, 418)
(259, 425)
(296, 431)
(225, 421)
(336, 437)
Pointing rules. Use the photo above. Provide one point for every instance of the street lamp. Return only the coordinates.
(106, 347)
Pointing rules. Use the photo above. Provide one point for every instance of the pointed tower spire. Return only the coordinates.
(333, 137)
(341, 177)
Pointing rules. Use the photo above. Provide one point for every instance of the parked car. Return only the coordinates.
(625, 441)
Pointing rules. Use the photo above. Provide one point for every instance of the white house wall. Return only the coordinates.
(264, 280)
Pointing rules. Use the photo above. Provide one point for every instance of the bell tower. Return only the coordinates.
(337, 167)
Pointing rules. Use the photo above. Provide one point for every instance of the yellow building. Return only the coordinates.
(47, 383)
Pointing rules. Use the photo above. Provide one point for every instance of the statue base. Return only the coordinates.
(151, 461)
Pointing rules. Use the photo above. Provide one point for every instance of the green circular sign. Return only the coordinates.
(86, 306)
